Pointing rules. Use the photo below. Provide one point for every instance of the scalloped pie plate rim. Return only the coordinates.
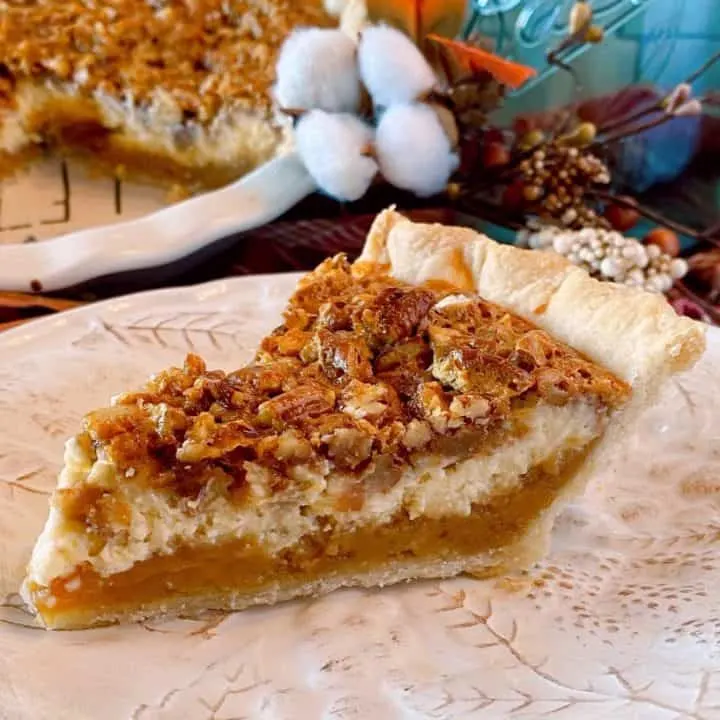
(621, 621)
(154, 234)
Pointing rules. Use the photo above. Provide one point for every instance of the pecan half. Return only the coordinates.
(342, 354)
(393, 314)
(294, 405)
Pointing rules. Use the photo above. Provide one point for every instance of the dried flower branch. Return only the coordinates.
(582, 32)
(678, 102)
(650, 214)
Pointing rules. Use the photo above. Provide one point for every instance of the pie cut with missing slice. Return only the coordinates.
(177, 92)
(423, 412)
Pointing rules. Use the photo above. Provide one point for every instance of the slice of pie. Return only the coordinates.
(172, 91)
(421, 413)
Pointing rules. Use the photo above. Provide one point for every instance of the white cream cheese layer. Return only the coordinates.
(159, 522)
(239, 137)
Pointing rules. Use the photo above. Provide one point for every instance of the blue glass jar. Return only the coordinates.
(649, 47)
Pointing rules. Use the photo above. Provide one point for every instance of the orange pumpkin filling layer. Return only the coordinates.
(240, 568)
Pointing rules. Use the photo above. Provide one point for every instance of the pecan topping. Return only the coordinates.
(393, 314)
(349, 447)
(293, 405)
(342, 354)
(364, 373)
(365, 400)
(467, 369)
(412, 354)
(534, 349)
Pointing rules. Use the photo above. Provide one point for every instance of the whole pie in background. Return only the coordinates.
(177, 92)
(423, 412)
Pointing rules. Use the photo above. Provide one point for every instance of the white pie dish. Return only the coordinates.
(76, 244)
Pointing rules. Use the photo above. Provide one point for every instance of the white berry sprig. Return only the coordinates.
(608, 255)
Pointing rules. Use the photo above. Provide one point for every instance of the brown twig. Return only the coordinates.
(576, 40)
(703, 68)
(622, 134)
(647, 212)
(658, 106)
(631, 118)
(710, 233)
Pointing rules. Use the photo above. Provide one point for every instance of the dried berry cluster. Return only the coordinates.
(556, 179)
(608, 255)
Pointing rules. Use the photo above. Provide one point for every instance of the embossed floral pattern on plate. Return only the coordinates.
(622, 621)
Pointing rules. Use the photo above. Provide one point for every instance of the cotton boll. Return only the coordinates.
(317, 69)
(392, 67)
(332, 147)
(413, 150)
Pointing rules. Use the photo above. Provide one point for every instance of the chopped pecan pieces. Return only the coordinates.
(472, 407)
(434, 405)
(293, 447)
(534, 349)
(412, 355)
(365, 373)
(265, 378)
(342, 355)
(286, 343)
(292, 406)
(392, 315)
(467, 369)
(207, 438)
(335, 316)
(348, 447)
(417, 434)
(365, 400)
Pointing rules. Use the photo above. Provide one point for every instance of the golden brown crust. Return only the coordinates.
(636, 335)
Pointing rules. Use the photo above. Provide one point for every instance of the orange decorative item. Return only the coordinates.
(495, 154)
(621, 217)
(420, 17)
(665, 239)
(473, 60)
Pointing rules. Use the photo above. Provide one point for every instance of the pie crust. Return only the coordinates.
(424, 412)
(171, 92)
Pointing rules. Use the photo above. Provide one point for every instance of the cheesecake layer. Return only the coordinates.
(235, 573)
